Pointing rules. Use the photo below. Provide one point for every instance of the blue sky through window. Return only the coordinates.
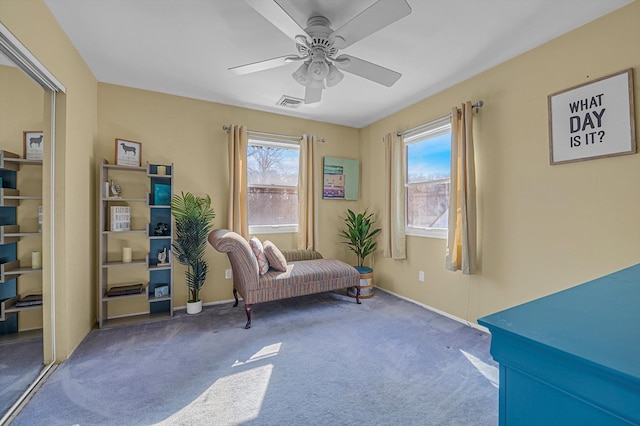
(430, 159)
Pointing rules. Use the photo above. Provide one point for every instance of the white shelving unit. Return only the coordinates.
(110, 257)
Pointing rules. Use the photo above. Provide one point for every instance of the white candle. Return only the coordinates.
(126, 254)
(36, 260)
(162, 170)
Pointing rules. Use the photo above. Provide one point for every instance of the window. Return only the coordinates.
(272, 180)
(428, 168)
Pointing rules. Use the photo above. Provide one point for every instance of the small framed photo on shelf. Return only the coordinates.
(161, 291)
(128, 153)
(33, 144)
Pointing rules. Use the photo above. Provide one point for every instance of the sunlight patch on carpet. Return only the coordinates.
(488, 371)
(266, 352)
(233, 399)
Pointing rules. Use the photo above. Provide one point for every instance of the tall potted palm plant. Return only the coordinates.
(359, 234)
(193, 217)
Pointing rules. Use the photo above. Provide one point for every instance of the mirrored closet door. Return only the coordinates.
(27, 129)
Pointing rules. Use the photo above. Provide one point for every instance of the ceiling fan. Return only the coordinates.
(318, 45)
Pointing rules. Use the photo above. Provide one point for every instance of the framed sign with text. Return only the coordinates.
(593, 120)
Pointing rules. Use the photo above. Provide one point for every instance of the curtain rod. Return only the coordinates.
(475, 106)
(273, 135)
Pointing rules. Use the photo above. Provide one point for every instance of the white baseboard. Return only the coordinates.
(438, 311)
(218, 302)
(431, 308)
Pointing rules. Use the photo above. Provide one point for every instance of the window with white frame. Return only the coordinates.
(272, 180)
(428, 179)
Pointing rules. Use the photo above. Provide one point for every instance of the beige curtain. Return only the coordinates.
(238, 213)
(462, 241)
(394, 238)
(307, 193)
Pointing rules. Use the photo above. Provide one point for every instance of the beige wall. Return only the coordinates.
(542, 228)
(189, 133)
(32, 23)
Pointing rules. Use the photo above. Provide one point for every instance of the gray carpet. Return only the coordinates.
(20, 363)
(315, 360)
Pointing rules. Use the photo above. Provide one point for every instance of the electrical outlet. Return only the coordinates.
(421, 276)
(227, 273)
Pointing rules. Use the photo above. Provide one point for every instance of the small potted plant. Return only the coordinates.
(359, 234)
(193, 217)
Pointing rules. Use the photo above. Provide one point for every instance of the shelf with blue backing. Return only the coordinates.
(11, 233)
(159, 233)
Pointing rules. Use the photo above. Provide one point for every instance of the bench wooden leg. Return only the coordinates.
(235, 295)
(247, 309)
(358, 295)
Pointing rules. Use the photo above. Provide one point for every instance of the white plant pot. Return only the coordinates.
(194, 307)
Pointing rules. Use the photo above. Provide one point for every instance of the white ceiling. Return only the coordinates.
(184, 47)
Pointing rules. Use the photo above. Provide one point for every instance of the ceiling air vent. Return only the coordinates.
(289, 102)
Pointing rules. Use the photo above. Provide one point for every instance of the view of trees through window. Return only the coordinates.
(428, 179)
(272, 175)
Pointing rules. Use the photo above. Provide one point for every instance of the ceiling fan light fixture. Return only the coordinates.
(318, 45)
(301, 74)
(318, 70)
(334, 77)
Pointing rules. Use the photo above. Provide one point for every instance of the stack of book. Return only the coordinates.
(124, 290)
(30, 300)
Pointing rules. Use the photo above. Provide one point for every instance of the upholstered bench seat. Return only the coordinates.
(301, 277)
(304, 277)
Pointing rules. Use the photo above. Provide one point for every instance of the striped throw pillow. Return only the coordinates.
(258, 251)
(276, 259)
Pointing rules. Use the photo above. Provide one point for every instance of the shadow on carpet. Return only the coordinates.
(312, 360)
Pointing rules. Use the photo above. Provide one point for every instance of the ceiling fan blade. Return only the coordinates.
(312, 95)
(279, 17)
(372, 19)
(365, 69)
(261, 65)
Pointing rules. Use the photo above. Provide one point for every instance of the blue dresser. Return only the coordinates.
(571, 358)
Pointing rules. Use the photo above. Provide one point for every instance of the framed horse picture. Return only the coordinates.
(128, 153)
(33, 141)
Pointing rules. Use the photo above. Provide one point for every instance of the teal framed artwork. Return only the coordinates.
(161, 194)
(340, 179)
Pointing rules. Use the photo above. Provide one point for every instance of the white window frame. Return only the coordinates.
(273, 229)
(429, 130)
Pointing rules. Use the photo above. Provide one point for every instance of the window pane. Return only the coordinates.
(272, 175)
(429, 159)
(428, 205)
(428, 179)
(273, 206)
(268, 165)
